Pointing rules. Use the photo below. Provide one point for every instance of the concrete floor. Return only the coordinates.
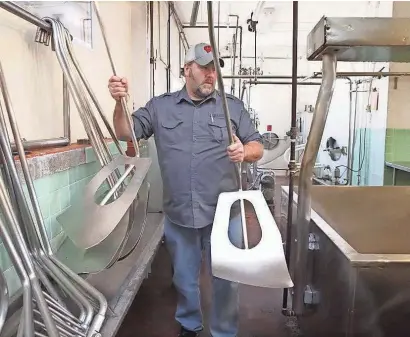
(152, 312)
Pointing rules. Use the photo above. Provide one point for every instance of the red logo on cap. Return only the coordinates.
(208, 49)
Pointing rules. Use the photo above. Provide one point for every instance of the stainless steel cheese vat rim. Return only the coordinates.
(355, 258)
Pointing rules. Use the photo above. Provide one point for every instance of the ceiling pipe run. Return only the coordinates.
(194, 14)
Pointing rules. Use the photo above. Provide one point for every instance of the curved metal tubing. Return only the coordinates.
(50, 261)
(140, 221)
(88, 223)
(11, 218)
(40, 237)
(103, 255)
(305, 179)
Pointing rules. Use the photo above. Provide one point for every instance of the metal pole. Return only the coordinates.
(305, 179)
(169, 49)
(15, 9)
(234, 52)
(194, 14)
(350, 141)
(292, 162)
(179, 25)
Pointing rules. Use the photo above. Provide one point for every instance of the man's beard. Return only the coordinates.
(205, 92)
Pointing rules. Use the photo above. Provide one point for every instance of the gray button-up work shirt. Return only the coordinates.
(192, 146)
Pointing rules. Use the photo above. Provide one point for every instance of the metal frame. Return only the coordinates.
(342, 39)
(13, 8)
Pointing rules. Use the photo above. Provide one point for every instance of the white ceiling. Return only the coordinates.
(274, 28)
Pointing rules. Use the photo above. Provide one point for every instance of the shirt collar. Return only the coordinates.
(183, 96)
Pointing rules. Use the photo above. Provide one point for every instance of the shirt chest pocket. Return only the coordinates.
(219, 130)
(172, 131)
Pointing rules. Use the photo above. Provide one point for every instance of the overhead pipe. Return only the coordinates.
(268, 77)
(366, 73)
(318, 75)
(15, 9)
(279, 82)
(292, 161)
(179, 25)
(194, 14)
(323, 101)
(234, 52)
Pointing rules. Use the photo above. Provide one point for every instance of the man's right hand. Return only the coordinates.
(118, 87)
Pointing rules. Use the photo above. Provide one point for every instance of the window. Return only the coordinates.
(76, 16)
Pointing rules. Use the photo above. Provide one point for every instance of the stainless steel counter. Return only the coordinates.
(359, 261)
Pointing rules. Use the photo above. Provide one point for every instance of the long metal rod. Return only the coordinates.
(114, 70)
(15, 9)
(194, 14)
(169, 49)
(179, 25)
(226, 113)
(11, 219)
(350, 140)
(95, 101)
(235, 42)
(292, 162)
(57, 274)
(305, 179)
(40, 228)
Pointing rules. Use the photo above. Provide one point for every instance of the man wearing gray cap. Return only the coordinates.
(197, 164)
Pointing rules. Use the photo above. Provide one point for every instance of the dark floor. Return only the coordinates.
(152, 313)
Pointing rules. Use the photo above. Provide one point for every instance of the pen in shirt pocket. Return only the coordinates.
(212, 117)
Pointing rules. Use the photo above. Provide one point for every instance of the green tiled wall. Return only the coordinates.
(55, 193)
(397, 149)
(397, 145)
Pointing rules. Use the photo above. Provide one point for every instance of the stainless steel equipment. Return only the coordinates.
(349, 269)
(359, 257)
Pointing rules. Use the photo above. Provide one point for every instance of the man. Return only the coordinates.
(197, 164)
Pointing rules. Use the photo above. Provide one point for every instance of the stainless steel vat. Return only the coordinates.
(358, 262)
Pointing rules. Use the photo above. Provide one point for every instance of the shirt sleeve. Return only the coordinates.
(246, 130)
(143, 121)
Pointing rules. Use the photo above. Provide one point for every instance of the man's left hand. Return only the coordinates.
(236, 151)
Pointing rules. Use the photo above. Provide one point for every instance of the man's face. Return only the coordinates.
(200, 80)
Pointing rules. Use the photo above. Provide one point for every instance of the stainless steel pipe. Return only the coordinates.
(323, 101)
(18, 237)
(15, 9)
(54, 271)
(238, 167)
(123, 100)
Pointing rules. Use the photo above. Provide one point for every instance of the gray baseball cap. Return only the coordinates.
(201, 53)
